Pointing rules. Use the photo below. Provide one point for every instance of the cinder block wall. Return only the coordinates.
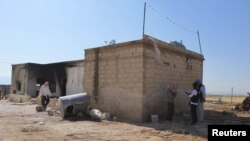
(114, 79)
(125, 79)
(173, 69)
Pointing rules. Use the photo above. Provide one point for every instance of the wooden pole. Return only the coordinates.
(199, 40)
(232, 93)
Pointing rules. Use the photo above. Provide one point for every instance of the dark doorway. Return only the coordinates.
(64, 83)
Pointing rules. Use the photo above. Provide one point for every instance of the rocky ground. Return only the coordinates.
(21, 122)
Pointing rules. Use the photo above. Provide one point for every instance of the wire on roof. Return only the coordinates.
(171, 21)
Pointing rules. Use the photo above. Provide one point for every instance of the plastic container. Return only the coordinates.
(154, 119)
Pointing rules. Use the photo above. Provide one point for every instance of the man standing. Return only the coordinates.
(45, 94)
(4, 93)
(171, 94)
(0, 93)
(193, 102)
(202, 99)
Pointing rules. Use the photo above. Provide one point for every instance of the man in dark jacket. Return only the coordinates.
(193, 103)
(171, 94)
(202, 91)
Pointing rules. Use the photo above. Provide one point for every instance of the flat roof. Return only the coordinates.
(63, 62)
(147, 40)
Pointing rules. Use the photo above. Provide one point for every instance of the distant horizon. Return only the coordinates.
(208, 94)
(226, 94)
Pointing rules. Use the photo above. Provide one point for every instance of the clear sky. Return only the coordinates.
(46, 31)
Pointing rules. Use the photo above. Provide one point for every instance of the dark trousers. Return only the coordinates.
(193, 113)
(45, 101)
(170, 111)
(3, 94)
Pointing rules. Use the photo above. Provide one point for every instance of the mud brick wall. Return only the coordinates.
(114, 79)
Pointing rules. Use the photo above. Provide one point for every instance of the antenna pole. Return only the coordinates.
(144, 14)
(199, 40)
(232, 93)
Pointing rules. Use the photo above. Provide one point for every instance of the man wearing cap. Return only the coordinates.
(200, 107)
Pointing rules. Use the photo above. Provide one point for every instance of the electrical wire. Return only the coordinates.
(170, 20)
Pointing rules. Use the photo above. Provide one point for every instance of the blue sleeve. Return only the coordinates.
(203, 90)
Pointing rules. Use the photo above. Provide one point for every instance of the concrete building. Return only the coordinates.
(65, 78)
(128, 79)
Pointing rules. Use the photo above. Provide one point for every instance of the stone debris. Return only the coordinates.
(244, 106)
(115, 119)
(50, 112)
(53, 112)
(42, 123)
(39, 108)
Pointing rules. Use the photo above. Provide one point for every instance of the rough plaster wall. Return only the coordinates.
(33, 73)
(19, 74)
(58, 90)
(120, 80)
(31, 90)
(157, 76)
(74, 80)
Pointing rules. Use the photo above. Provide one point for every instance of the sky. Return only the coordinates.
(47, 31)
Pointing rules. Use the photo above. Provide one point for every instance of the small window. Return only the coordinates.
(18, 86)
(39, 81)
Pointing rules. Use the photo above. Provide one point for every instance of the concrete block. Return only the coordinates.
(154, 119)
(39, 108)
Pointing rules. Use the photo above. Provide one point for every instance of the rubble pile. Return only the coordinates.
(244, 106)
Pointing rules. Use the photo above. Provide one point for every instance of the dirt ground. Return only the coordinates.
(20, 122)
